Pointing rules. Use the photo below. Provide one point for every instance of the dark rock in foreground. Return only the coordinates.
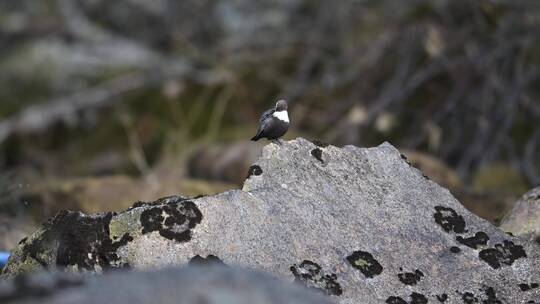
(359, 225)
(193, 285)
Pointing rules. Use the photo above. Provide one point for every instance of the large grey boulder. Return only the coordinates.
(359, 225)
(192, 285)
(524, 219)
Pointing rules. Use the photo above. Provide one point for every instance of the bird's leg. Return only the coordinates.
(278, 142)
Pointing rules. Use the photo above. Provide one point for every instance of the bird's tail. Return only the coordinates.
(258, 136)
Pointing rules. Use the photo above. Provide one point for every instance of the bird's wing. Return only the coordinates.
(266, 115)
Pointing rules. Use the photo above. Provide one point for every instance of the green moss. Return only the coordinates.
(20, 261)
(127, 222)
(29, 265)
(361, 263)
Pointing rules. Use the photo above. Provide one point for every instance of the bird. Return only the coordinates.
(273, 123)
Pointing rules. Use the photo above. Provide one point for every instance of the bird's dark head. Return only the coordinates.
(281, 105)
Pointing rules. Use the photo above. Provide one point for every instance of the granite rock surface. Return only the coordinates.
(359, 225)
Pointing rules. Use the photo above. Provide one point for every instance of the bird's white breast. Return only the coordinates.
(282, 115)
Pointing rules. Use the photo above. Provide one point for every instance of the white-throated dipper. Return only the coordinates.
(274, 123)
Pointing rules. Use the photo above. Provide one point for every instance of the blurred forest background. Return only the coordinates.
(103, 103)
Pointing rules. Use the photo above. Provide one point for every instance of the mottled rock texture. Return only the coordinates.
(359, 225)
(193, 285)
(524, 219)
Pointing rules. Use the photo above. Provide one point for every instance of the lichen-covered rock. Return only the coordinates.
(192, 285)
(524, 219)
(359, 225)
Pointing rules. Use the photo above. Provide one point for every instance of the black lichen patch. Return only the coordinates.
(23, 240)
(366, 263)
(87, 242)
(35, 250)
(416, 298)
(502, 254)
(395, 300)
(311, 275)
(410, 278)
(152, 220)
(527, 287)
(77, 241)
(163, 200)
(317, 153)
(469, 298)
(209, 260)
(254, 170)
(442, 297)
(405, 159)
(173, 221)
(455, 249)
(479, 239)
(319, 143)
(491, 297)
(110, 247)
(449, 220)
